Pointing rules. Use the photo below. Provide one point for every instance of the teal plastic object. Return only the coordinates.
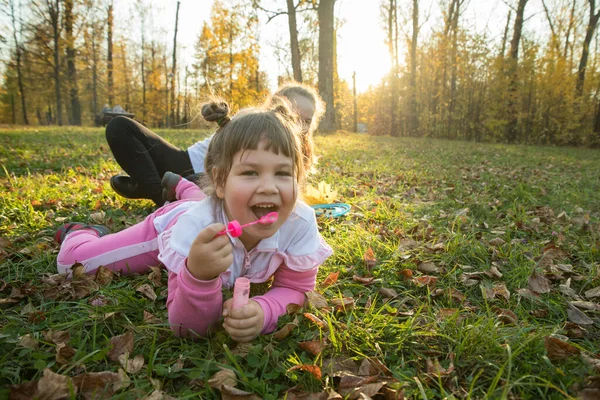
(331, 210)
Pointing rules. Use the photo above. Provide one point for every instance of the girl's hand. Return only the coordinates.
(243, 324)
(210, 254)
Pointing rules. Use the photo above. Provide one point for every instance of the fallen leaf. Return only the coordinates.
(314, 347)
(406, 273)
(285, 331)
(29, 342)
(97, 385)
(292, 308)
(456, 295)
(131, 366)
(387, 293)
(330, 280)
(314, 319)
(538, 283)
(574, 331)
(365, 280)
(497, 242)
(149, 318)
(223, 377)
(506, 316)
(595, 292)
(586, 305)
(370, 259)
(53, 386)
(407, 244)
(232, 393)
(313, 369)
(428, 268)
(64, 353)
(493, 272)
(78, 271)
(316, 300)
(103, 276)
(578, 316)
(501, 290)
(57, 337)
(558, 350)
(120, 344)
(155, 276)
(425, 280)
(343, 304)
(147, 291)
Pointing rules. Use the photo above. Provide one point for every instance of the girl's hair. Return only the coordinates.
(275, 125)
(293, 89)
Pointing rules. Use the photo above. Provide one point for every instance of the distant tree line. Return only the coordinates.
(64, 62)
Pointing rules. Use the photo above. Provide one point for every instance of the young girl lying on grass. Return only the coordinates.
(256, 166)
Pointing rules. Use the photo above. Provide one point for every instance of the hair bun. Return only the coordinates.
(216, 111)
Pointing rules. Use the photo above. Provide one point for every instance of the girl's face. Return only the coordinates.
(258, 183)
(305, 109)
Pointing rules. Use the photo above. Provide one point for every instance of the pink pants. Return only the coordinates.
(132, 250)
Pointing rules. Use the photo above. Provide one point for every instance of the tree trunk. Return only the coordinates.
(54, 11)
(413, 119)
(505, 36)
(355, 102)
(513, 59)
(392, 38)
(589, 34)
(295, 47)
(143, 66)
(326, 55)
(452, 129)
(18, 57)
(174, 66)
(71, 69)
(94, 72)
(126, 78)
(569, 29)
(109, 57)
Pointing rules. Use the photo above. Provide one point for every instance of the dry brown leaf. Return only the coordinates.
(103, 276)
(223, 377)
(53, 386)
(365, 280)
(314, 319)
(29, 342)
(497, 242)
(330, 280)
(97, 385)
(232, 393)
(493, 273)
(501, 290)
(147, 291)
(558, 350)
(343, 304)
(313, 369)
(316, 300)
(595, 292)
(456, 295)
(57, 337)
(387, 293)
(155, 276)
(314, 347)
(292, 308)
(578, 316)
(370, 259)
(285, 331)
(435, 369)
(158, 394)
(407, 273)
(506, 316)
(131, 366)
(425, 280)
(24, 391)
(150, 318)
(64, 353)
(574, 331)
(78, 271)
(586, 305)
(407, 244)
(538, 283)
(428, 268)
(120, 344)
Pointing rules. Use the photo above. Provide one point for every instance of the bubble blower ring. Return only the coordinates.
(235, 229)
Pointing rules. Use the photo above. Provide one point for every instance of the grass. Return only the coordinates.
(449, 330)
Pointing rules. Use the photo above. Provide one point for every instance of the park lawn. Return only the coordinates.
(463, 270)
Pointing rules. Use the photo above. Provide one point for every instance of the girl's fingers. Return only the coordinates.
(245, 323)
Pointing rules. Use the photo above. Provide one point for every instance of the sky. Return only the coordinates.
(361, 38)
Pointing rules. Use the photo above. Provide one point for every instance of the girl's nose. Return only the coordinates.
(267, 185)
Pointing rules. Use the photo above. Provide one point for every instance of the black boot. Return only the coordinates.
(124, 186)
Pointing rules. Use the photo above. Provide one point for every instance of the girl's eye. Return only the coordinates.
(250, 173)
(284, 173)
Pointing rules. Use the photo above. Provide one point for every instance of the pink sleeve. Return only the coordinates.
(288, 287)
(193, 305)
(186, 190)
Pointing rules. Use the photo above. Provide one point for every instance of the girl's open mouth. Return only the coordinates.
(260, 210)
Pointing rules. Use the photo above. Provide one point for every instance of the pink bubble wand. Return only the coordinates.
(241, 293)
(235, 229)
